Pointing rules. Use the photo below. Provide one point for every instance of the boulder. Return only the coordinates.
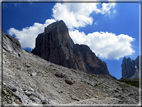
(60, 75)
(12, 88)
(69, 81)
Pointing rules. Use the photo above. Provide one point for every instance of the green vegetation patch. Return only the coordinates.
(133, 82)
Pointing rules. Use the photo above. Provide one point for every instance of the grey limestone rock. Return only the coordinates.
(12, 88)
(11, 45)
(130, 68)
(56, 46)
(69, 81)
(59, 74)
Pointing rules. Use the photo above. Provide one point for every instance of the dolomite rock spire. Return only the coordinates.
(56, 46)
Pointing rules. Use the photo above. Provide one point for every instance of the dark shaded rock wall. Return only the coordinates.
(137, 62)
(130, 68)
(56, 46)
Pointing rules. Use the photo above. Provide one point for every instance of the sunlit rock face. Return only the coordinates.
(56, 46)
(11, 45)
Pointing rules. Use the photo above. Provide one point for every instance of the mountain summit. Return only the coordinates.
(56, 46)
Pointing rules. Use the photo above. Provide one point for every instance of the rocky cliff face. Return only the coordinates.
(56, 46)
(138, 61)
(12, 45)
(130, 68)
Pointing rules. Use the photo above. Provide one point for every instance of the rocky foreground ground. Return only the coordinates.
(30, 80)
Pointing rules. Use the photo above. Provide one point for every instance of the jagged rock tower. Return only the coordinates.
(130, 68)
(56, 46)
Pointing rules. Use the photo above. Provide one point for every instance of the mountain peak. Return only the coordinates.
(61, 21)
(56, 46)
(54, 25)
(130, 68)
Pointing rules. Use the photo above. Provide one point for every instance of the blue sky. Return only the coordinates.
(111, 30)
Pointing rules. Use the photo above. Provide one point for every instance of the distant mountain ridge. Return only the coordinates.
(56, 46)
(130, 68)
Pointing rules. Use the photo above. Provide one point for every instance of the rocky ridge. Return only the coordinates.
(130, 68)
(56, 46)
(31, 80)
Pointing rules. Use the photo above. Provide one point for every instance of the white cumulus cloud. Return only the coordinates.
(74, 15)
(106, 7)
(27, 35)
(77, 15)
(104, 44)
